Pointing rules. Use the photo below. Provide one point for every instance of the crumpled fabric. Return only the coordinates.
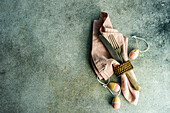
(103, 62)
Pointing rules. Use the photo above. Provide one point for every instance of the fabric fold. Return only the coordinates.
(102, 61)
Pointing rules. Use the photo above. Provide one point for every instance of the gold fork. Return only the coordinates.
(115, 45)
(117, 49)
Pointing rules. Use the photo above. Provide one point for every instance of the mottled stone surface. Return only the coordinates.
(45, 53)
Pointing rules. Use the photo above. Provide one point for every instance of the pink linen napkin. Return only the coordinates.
(102, 61)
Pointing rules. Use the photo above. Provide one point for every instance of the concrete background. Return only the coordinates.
(45, 53)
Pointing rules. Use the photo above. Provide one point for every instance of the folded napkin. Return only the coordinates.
(103, 62)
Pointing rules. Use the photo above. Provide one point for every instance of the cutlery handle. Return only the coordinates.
(133, 82)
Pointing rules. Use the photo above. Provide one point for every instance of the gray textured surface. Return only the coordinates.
(44, 55)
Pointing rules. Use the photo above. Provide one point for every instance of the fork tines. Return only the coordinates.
(113, 42)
